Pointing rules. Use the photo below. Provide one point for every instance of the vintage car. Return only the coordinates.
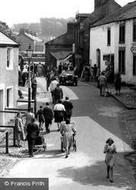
(68, 77)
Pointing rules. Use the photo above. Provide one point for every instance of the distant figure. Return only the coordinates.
(40, 117)
(59, 111)
(58, 94)
(18, 130)
(48, 117)
(95, 71)
(32, 134)
(34, 88)
(110, 150)
(117, 83)
(29, 117)
(68, 107)
(52, 87)
(102, 83)
(67, 130)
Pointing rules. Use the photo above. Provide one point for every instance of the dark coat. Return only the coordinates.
(32, 131)
(48, 114)
(68, 107)
(58, 93)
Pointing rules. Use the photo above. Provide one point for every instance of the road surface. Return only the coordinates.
(97, 119)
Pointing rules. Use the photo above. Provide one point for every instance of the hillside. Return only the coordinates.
(47, 28)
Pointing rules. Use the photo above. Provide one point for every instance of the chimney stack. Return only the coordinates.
(99, 3)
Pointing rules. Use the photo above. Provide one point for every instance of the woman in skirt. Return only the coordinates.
(110, 150)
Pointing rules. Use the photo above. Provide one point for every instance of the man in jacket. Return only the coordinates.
(32, 134)
(58, 94)
(68, 107)
(48, 116)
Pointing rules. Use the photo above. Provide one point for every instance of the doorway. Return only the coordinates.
(1, 107)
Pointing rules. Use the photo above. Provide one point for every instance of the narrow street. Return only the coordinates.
(97, 119)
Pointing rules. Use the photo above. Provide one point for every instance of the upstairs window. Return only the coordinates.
(9, 97)
(122, 33)
(134, 30)
(9, 58)
(108, 37)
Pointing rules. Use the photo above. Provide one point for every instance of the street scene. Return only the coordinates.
(68, 99)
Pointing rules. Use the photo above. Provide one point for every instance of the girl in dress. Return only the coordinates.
(110, 150)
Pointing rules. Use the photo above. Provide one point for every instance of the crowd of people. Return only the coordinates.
(58, 110)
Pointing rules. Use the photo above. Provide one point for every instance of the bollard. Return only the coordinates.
(7, 143)
(14, 137)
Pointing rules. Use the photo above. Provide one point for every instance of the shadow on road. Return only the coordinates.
(94, 175)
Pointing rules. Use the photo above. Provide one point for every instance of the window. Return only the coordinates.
(9, 58)
(122, 60)
(122, 33)
(108, 37)
(134, 64)
(9, 97)
(134, 30)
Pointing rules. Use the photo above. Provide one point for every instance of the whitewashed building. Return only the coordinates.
(8, 76)
(113, 39)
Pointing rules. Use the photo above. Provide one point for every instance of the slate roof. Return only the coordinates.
(125, 13)
(65, 38)
(6, 40)
(34, 38)
(61, 54)
(100, 13)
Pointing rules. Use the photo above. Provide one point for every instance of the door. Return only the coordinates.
(1, 107)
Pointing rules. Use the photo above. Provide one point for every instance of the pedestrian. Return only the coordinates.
(58, 94)
(19, 132)
(40, 117)
(102, 83)
(68, 107)
(117, 83)
(52, 87)
(32, 134)
(67, 130)
(94, 71)
(59, 111)
(110, 150)
(34, 88)
(48, 117)
(29, 117)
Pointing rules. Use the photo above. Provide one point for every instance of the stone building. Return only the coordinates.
(113, 40)
(102, 8)
(9, 51)
(60, 47)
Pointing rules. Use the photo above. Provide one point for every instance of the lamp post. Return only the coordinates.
(29, 55)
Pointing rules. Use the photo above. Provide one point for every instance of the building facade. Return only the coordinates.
(26, 39)
(8, 76)
(113, 40)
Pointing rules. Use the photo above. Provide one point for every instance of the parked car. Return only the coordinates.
(68, 77)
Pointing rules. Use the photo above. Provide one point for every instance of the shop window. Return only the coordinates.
(122, 33)
(122, 60)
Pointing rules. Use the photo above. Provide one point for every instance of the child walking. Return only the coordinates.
(110, 150)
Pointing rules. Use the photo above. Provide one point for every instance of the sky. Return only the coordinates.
(26, 11)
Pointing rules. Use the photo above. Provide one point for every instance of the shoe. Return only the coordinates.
(111, 181)
(107, 177)
(66, 156)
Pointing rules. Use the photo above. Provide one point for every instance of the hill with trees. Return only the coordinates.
(47, 28)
